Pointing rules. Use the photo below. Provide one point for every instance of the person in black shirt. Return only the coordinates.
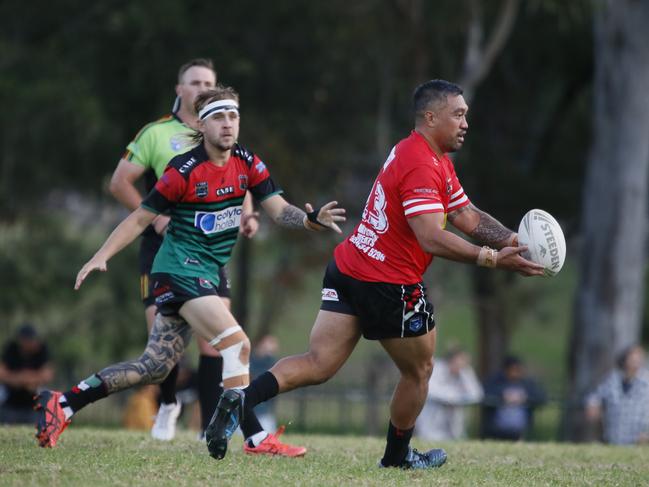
(24, 368)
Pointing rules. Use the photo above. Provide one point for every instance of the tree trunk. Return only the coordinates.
(609, 299)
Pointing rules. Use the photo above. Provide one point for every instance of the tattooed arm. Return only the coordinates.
(289, 216)
(482, 227)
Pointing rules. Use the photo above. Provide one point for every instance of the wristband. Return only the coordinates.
(312, 216)
(487, 257)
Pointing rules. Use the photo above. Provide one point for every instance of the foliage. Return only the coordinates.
(125, 458)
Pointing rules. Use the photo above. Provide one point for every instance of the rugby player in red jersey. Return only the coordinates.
(373, 287)
(203, 191)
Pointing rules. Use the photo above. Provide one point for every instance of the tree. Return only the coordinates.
(609, 301)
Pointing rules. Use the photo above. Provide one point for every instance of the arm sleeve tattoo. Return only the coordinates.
(490, 231)
(291, 217)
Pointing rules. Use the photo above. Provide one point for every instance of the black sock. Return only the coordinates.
(168, 387)
(396, 448)
(88, 390)
(263, 388)
(250, 424)
(210, 375)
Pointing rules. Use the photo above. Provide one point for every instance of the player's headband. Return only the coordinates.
(218, 106)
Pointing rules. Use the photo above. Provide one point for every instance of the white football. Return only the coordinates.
(544, 237)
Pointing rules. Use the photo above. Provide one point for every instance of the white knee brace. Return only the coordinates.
(232, 365)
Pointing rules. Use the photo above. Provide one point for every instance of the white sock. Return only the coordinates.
(257, 438)
(67, 410)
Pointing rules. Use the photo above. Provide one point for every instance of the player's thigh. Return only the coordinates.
(412, 355)
(333, 338)
(208, 316)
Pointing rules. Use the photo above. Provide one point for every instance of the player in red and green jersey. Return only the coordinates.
(147, 156)
(203, 190)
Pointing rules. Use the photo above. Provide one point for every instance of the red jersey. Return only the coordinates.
(413, 181)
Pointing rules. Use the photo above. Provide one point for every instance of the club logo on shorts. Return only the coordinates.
(205, 283)
(415, 323)
(201, 189)
(329, 294)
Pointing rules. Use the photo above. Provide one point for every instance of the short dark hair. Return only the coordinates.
(202, 62)
(431, 93)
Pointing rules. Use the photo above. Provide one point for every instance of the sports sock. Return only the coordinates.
(262, 388)
(88, 390)
(257, 438)
(250, 425)
(168, 387)
(396, 447)
(210, 374)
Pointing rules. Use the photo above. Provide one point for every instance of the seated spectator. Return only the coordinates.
(621, 401)
(24, 368)
(452, 386)
(509, 402)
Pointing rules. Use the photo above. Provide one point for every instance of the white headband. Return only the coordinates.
(218, 106)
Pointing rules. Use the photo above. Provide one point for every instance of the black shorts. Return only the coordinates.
(384, 310)
(171, 291)
(149, 246)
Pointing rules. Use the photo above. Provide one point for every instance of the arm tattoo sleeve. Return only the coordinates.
(489, 230)
(291, 217)
(167, 342)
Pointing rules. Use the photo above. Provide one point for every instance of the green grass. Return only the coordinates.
(88, 456)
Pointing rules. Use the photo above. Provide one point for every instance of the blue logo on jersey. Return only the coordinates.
(260, 167)
(218, 221)
(416, 322)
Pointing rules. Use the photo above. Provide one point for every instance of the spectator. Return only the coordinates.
(264, 356)
(621, 401)
(24, 368)
(452, 386)
(509, 402)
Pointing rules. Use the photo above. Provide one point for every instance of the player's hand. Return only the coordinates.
(94, 264)
(160, 224)
(326, 217)
(509, 258)
(249, 224)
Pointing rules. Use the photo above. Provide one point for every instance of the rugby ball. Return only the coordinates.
(542, 234)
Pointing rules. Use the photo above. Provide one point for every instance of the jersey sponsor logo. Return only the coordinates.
(225, 190)
(374, 212)
(185, 168)
(201, 189)
(218, 221)
(190, 261)
(329, 294)
(425, 190)
(260, 167)
(364, 240)
(243, 182)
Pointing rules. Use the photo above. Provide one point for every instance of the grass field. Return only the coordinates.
(97, 457)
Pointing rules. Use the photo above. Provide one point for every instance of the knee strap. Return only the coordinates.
(232, 365)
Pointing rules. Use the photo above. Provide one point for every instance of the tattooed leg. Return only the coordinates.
(167, 342)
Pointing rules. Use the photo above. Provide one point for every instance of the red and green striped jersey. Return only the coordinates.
(205, 202)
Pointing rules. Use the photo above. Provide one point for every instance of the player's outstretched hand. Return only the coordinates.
(326, 216)
(94, 264)
(510, 258)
